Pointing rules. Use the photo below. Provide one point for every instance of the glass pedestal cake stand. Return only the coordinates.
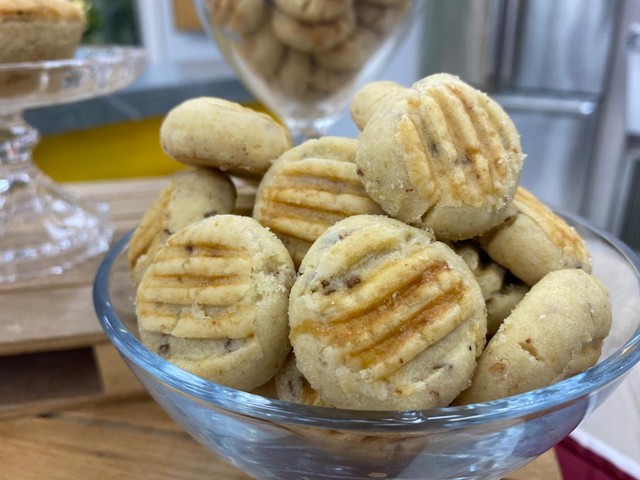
(43, 229)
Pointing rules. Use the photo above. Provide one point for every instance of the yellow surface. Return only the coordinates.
(123, 150)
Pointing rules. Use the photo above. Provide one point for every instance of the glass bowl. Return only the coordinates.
(272, 439)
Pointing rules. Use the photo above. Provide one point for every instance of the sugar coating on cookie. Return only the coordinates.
(382, 317)
(308, 189)
(442, 155)
(534, 241)
(555, 332)
(214, 301)
(189, 197)
(213, 132)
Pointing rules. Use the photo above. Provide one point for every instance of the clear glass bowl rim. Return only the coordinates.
(86, 56)
(457, 417)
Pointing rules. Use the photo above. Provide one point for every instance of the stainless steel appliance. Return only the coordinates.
(550, 64)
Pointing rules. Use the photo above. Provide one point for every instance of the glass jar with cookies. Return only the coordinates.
(304, 60)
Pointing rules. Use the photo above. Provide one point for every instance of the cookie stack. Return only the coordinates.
(386, 262)
(306, 49)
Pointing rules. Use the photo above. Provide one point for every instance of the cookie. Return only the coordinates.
(314, 11)
(380, 19)
(351, 55)
(294, 74)
(309, 37)
(366, 100)
(441, 155)
(37, 30)
(534, 241)
(240, 16)
(261, 51)
(384, 318)
(293, 387)
(502, 302)
(214, 301)
(217, 133)
(555, 332)
(308, 189)
(190, 196)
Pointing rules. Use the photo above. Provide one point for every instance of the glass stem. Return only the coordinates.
(17, 141)
(302, 131)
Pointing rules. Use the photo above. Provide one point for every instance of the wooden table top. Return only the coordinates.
(129, 438)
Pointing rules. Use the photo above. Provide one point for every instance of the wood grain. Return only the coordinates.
(132, 440)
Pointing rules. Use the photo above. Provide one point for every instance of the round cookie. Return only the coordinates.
(501, 291)
(36, 30)
(501, 303)
(293, 387)
(314, 11)
(213, 132)
(241, 16)
(214, 301)
(380, 19)
(190, 196)
(441, 155)
(555, 332)
(308, 189)
(352, 54)
(309, 37)
(294, 74)
(534, 241)
(369, 98)
(384, 318)
(261, 50)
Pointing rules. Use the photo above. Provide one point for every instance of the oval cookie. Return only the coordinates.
(190, 196)
(214, 301)
(534, 241)
(213, 132)
(555, 332)
(383, 318)
(367, 100)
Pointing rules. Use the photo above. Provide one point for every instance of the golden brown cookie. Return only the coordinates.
(190, 196)
(217, 133)
(501, 290)
(534, 241)
(441, 155)
(366, 100)
(555, 332)
(383, 318)
(214, 301)
(314, 11)
(241, 16)
(312, 37)
(308, 189)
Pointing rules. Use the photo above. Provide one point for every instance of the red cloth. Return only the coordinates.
(579, 463)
